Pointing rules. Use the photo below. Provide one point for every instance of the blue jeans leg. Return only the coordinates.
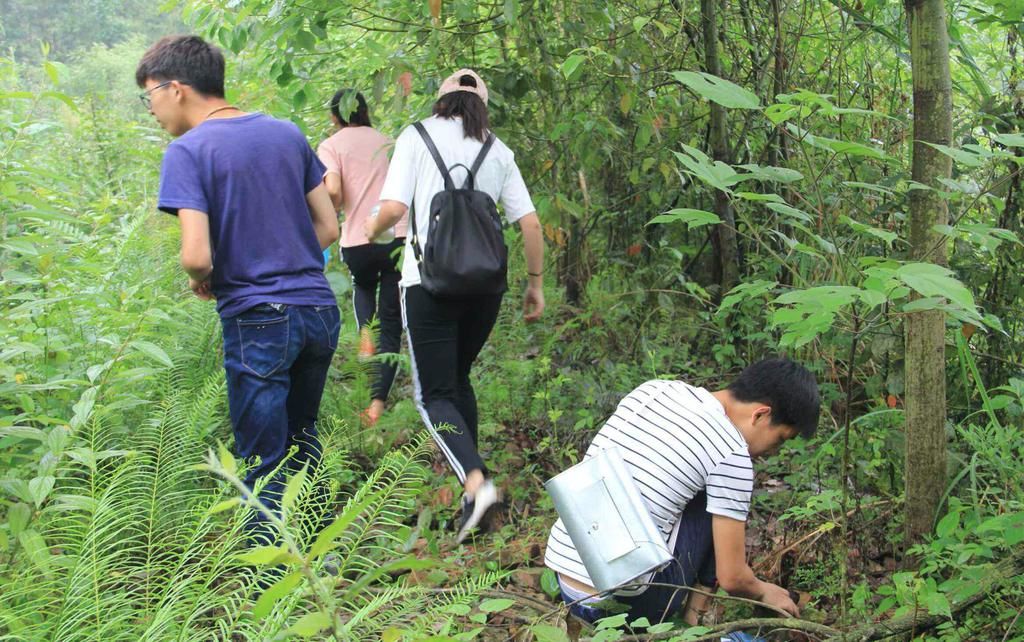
(694, 561)
(276, 359)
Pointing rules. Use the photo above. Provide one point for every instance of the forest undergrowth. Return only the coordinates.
(120, 505)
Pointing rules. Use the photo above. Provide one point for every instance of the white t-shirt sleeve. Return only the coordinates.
(515, 198)
(730, 486)
(400, 184)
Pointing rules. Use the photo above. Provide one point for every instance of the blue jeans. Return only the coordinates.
(276, 358)
(694, 561)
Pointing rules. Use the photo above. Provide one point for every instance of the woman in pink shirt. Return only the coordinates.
(356, 157)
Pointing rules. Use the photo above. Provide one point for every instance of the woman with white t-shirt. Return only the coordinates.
(446, 334)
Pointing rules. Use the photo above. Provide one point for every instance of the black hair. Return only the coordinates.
(189, 60)
(785, 385)
(468, 106)
(359, 117)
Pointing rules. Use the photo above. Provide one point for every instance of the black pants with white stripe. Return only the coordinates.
(375, 293)
(445, 336)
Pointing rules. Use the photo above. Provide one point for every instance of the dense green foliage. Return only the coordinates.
(117, 525)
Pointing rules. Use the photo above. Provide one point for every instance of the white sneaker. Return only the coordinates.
(474, 510)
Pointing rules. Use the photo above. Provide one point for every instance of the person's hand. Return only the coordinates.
(533, 303)
(778, 597)
(201, 288)
(370, 229)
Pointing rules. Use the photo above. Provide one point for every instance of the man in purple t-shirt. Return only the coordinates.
(255, 217)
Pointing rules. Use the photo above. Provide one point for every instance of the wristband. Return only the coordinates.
(532, 274)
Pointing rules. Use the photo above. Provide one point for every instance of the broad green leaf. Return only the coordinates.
(310, 624)
(571, 64)
(1010, 140)
(790, 211)
(870, 186)
(959, 155)
(640, 22)
(153, 351)
(714, 173)
(40, 488)
(51, 72)
(18, 516)
(268, 556)
(948, 524)
(771, 173)
(744, 291)
(837, 146)
(227, 461)
(23, 432)
(392, 634)
(496, 604)
(35, 549)
(293, 488)
(279, 589)
(779, 113)
(227, 504)
(929, 280)
(753, 196)
(612, 622)
(549, 583)
(878, 233)
(304, 39)
(718, 90)
(692, 218)
(458, 608)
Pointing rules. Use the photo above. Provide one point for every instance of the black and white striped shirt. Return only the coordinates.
(676, 440)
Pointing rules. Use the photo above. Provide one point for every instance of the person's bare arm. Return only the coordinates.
(325, 217)
(332, 182)
(196, 255)
(735, 575)
(390, 213)
(533, 248)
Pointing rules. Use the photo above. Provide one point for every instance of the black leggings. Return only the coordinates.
(445, 336)
(373, 265)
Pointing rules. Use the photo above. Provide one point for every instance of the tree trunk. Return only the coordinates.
(925, 331)
(723, 237)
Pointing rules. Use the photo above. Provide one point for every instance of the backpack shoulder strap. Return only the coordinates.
(448, 184)
(471, 179)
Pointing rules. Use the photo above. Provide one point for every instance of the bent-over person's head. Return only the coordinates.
(358, 114)
(772, 401)
(464, 95)
(177, 73)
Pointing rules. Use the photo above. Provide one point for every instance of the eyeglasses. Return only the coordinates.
(147, 100)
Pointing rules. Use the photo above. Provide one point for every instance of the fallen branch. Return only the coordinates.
(817, 631)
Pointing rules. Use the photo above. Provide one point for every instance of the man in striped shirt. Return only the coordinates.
(689, 452)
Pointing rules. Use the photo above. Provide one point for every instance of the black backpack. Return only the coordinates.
(465, 253)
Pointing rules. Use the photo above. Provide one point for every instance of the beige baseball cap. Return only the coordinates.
(452, 83)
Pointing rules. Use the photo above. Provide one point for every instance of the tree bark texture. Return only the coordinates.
(723, 236)
(925, 361)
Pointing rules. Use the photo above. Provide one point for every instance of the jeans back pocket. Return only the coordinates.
(264, 343)
(330, 316)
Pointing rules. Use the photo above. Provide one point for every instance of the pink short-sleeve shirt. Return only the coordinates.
(359, 155)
